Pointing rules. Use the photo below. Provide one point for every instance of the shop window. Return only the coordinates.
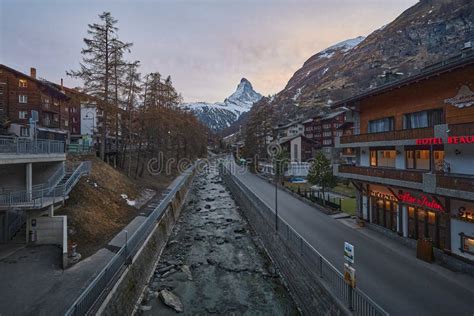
(467, 243)
(381, 125)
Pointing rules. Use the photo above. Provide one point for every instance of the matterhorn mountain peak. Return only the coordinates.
(220, 115)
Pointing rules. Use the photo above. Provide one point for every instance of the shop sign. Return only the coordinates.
(348, 252)
(385, 196)
(423, 201)
(455, 140)
(465, 215)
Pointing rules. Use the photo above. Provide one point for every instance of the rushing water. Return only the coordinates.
(229, 274)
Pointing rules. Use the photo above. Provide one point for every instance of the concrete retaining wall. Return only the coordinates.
(311, 296)
(123, 297)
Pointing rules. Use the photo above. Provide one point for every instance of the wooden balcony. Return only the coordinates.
(455, 182)
(405, 134)
(461, 129)
(386, 173)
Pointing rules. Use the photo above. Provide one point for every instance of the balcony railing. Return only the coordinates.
(403, 175)
(461, 129)
(455, 182)
(405, 134)
(20, 146)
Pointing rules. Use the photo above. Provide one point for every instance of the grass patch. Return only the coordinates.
(349, 206)
(349, 190)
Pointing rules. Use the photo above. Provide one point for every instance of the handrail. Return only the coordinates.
(357, 294)
(35, 197)
(106, 276)
(20, 145)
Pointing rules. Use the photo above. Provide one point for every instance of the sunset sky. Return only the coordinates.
(206, 46)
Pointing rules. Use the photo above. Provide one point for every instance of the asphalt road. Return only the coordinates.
(387, 271)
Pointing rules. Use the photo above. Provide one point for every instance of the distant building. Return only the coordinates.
(31, 107)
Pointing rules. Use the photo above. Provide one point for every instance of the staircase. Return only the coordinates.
(55, 190)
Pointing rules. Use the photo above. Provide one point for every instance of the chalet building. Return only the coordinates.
(288, 130)
(323, 129)
(299, 147)
(32, 108)
(414, 146)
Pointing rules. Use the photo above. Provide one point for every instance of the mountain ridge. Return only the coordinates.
(220, 115)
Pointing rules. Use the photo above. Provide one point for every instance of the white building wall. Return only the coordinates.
(400, 158)
(295, 146)
(365, 157)
(460, 161)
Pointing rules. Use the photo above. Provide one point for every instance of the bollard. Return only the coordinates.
(350, 304)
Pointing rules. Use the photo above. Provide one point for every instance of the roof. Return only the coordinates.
(42, 83)
(464, 59)
(290, 138)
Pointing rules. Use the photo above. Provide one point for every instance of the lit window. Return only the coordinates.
(23, 115)
(23, 98)
(22, 83)
(66, 123)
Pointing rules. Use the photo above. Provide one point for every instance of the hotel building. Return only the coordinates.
(413, 141)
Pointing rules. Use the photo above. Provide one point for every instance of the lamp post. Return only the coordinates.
(277, 173)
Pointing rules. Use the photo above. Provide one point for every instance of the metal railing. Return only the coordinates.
(42, 193)
(316, 266)
(98, 288)
(18, 145)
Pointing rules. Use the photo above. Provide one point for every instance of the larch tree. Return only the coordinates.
(97, 67)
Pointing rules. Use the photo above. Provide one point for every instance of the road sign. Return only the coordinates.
(349, 275)
(348, 252)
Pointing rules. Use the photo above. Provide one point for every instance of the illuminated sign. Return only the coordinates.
(385, 196)
(451, 140)
(465, 215)
(422, 201)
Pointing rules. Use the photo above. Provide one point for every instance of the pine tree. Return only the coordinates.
(97, 67)
(321, 174)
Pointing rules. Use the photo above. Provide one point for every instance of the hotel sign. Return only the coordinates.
(422, 201)
(454, 140)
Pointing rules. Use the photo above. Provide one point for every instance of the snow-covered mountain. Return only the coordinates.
(220, 115)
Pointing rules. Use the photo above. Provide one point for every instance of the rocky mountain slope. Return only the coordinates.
(220, 115)
(426, 33)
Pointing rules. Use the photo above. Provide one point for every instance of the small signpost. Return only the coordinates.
(349, 270)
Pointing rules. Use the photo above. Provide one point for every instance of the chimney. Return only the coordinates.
(62, 83)
(33, 73)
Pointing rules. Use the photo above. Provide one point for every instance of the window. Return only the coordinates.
(423, 119)
(381, 125)
(24, 131)
(66, 123)
(22, 83)
(327, 126)
(383, 158)
(23, 114)
(418, 159)
(327, 142)
(22, 98)
(327, 134)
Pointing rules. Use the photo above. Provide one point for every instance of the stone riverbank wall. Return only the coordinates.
(126, 292)
(290, 255)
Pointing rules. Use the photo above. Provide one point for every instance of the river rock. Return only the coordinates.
(171, 300)
(187, 271)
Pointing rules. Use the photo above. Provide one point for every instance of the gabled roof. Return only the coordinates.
(49, 86)
(464, 59)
